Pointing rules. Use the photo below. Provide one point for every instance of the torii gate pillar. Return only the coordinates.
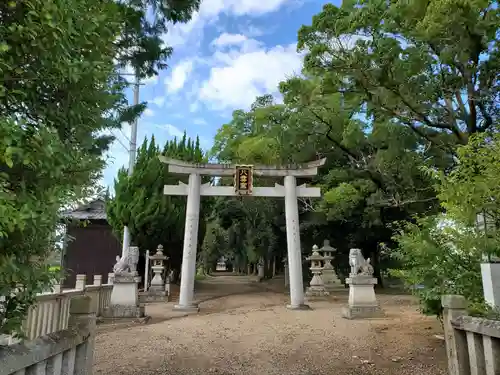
(188, 268)
(194, 190)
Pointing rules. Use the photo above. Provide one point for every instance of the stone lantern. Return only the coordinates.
(260, 269)
(287, 275)
(329, 276)
(316, 286)
(158, 267)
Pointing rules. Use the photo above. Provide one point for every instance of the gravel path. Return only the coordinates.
(255, 334)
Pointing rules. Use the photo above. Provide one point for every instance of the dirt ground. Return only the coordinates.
(253, 333)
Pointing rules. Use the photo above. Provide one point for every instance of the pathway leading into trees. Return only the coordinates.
(244, 328)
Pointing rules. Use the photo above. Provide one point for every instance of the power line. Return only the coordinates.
(124, 135)
(120, 142)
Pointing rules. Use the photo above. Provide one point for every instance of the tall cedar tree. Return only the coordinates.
(152, 217)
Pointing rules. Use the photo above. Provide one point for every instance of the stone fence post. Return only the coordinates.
(454, 306)
(81, 282)
(97, 280)
(82, 316)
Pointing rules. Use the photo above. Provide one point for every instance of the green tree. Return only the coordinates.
(472, 187)
(214, 246)
(49, 152)
(256, 226)
(443, 253)
(373, 172)
(72, 87)
(139, 202)
(420, 86)
(428, 65)
(439, 256)
(34, 184)
(60, 94)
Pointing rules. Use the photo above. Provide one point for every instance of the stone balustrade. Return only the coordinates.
(473, 344)
(50, 313)
(68, 351)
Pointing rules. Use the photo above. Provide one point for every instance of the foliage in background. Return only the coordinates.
(444, 253)
(152, 217)
(371, 178)
(439, 256)
(472, 187)
(33, 183)
(214, 246)
(430, 66)
(60, 94)
(388, 92)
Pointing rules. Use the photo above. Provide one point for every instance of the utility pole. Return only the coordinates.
(131, 160)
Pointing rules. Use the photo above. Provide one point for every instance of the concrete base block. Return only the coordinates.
(298, 307)
(187, 308)
(334, 287)
(149, 298)
(157, 290)
(143, 320)
(315, 291)
(124, 311)
(362, 312)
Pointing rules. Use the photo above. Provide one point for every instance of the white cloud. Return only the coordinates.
(237, 77)
(158, 101)
(149, 112)
(179, 76)
(172, 130)
(252, 31)
(244, 7)
(199, 121)
(209, 13)
(229, 42)
(226, 39)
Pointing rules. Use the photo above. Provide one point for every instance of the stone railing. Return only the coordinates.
(51, 310)
(472, 344)
(68, 351)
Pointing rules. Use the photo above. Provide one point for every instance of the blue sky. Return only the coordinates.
(230, 52)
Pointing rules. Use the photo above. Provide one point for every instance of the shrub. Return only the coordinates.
(439, 257)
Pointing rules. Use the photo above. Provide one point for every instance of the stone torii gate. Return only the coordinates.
(243, 186)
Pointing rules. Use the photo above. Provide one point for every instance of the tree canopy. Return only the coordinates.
(402, 99)
(60, 94)
(429, 65)
(152, 217)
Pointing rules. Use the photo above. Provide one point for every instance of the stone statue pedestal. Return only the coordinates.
(362, 300)
(125, 297)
